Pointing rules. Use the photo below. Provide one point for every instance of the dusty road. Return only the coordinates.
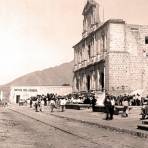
(19, 131)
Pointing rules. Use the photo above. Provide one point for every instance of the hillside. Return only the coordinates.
(58, 75)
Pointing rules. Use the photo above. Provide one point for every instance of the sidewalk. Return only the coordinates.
(126, 125)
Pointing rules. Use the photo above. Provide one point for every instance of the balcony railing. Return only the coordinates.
(90, 61)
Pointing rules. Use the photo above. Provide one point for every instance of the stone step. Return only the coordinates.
(145, 122)
(134, 114)
(135, 111)
(143, 127)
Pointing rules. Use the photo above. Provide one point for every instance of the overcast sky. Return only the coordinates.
(38, 34)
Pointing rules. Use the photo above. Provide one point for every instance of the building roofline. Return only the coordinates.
(137, 25)
(39, 86)
(115, 21)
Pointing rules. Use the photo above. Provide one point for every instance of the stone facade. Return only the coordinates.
(112, 56)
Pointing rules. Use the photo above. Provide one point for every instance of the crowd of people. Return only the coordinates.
(133, 100)
(58, 102)
(110, 101)
(125, 101)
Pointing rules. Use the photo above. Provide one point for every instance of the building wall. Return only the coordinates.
(118, 72)
(138, 62)
(117, 36)
(127, 58)
(117, 49)
(26, 92)
(118, 59)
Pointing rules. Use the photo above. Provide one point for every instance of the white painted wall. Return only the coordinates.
(26, 92)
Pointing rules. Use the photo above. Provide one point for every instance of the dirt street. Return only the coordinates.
(19, 131)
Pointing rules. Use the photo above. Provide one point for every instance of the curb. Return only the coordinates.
(107, 127)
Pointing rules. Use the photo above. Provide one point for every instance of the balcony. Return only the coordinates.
(89, 30)
(80, 65)
(101, 57)
(95, 59)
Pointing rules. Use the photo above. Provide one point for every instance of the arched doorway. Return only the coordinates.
(88, 83)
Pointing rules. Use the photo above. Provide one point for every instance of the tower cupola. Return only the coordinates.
(91, 15)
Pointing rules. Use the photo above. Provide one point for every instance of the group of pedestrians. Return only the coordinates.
(133, 100)
(110, 103)
(39, 103)
(57, 104)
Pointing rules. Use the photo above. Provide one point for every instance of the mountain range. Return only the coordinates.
(58, 75)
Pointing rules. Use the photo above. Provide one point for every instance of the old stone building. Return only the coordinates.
(112, 56)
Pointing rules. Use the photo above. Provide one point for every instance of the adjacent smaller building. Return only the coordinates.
(25, 92)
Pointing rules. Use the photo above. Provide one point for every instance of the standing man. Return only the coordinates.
(36, 104)
(62, 103)
(107, 104)
(112, 108)
(42, 105)
(52, 104)
(31, 102)
(93, 102)
(125, 108)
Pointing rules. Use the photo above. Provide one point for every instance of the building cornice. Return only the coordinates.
(114, 21)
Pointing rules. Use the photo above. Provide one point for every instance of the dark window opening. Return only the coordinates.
(77, 84)
(103, 42)
(88, 83)
(134, 29)
(146, 40)
(89, 50)
(102, 81)
(17, 98)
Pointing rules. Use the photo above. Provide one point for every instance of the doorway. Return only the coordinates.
(88, 83)
(17, 98)
(102, 81)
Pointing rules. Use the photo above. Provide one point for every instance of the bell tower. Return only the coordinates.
(91, 19)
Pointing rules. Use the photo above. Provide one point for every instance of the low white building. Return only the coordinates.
(25, 92)
(1, 95)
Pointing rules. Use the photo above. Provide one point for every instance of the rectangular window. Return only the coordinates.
(146, 40)
(89, 51)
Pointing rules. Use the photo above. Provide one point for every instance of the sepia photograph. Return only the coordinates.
(74, 74)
